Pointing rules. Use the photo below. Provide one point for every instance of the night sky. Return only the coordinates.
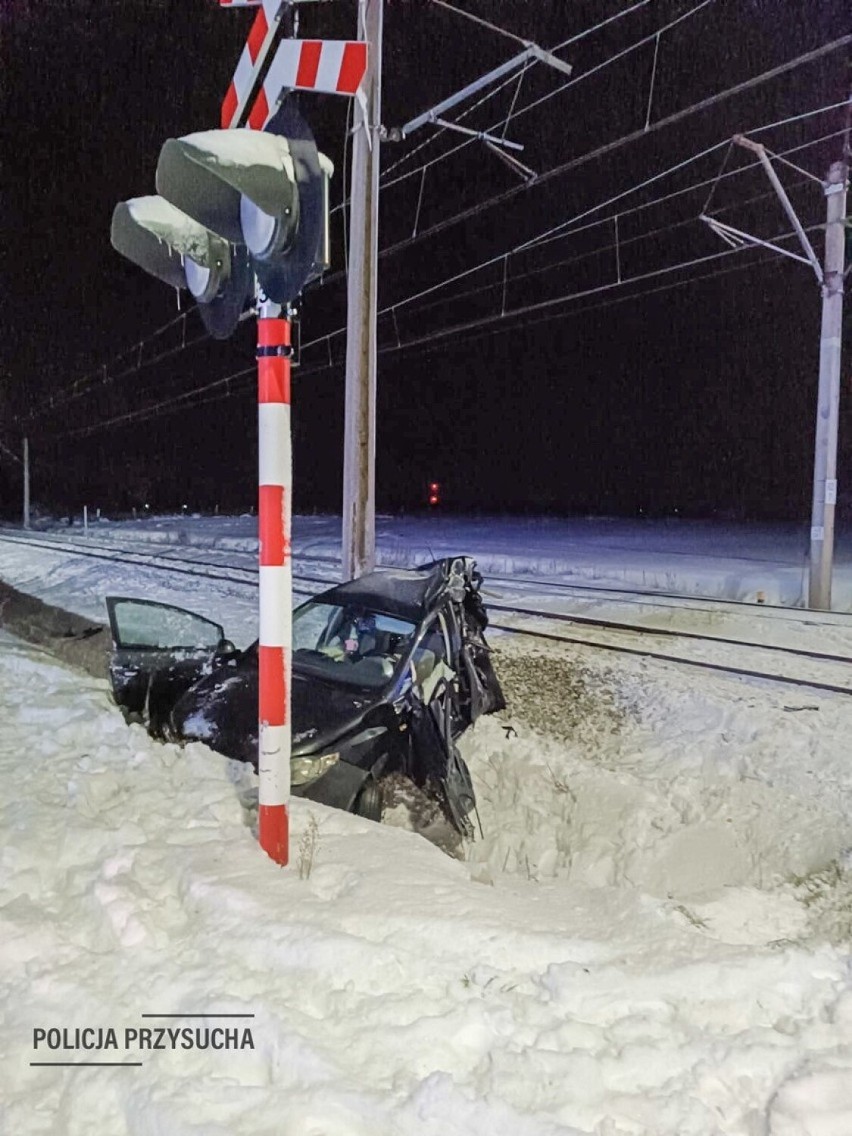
(697, 398)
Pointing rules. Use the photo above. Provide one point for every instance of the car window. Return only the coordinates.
(353, 644)
(139, 623)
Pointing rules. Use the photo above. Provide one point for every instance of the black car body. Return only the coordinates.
(387, 671)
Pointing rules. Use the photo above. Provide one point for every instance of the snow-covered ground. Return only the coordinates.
(651, 938)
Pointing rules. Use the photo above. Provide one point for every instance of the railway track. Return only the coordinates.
(670, 600)
(818, 670)
(831, 676)
(167, 561)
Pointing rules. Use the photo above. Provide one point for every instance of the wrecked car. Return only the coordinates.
(388, 670)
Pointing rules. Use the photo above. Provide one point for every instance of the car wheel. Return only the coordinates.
(368, 803)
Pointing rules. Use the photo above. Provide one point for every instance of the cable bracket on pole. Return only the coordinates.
(512, 162)
(483, 134)
(736, 238)
(811, 256)
(531, 52)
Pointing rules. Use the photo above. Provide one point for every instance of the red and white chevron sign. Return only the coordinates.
(260, 39)
(334, 67)
(327, 66)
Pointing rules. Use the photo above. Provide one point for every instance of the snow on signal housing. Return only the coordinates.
(168, 244)
(265, 191)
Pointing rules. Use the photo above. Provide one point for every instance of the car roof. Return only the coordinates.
(408, 593)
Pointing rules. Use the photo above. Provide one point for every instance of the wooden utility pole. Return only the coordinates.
(828, 397)
(26, 483)
(359, 441)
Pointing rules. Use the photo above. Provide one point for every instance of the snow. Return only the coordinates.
(650, 938)
(237, 149)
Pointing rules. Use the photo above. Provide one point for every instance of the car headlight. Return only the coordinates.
(306, 769)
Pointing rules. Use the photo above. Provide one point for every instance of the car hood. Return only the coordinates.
(322, 712)
(221, 710)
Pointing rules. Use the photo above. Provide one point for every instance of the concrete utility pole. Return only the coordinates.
(830, 278)
(26, 483)
(359, 440)
(828, 397)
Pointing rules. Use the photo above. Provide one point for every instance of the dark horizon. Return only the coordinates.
(697, 399)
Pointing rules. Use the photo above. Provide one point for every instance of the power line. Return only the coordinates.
(479, 20)
(11, 454)
(178, 399)
(107, 378)
(131, 415)
(442, 333)
(502, 257)
(506, 82)
(613, 246)
(169, 406)
(549, 95)
(100, 376)
(545, 237)
(610, 147)
(637, 295)
(535, 242)
(679, 115)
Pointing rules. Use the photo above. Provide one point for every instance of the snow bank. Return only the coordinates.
(391, 994)
(705, 558)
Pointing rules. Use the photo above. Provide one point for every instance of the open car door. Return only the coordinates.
(159, 651)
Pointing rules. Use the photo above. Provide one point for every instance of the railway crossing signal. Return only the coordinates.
(233, 205)
(238, 213)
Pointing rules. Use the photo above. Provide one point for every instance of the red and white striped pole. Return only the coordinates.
(276, 583)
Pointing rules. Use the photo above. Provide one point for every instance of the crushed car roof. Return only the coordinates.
(408, 593)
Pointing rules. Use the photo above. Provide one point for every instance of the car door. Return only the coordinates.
(479, 689)
(434, 717)
(159, 651)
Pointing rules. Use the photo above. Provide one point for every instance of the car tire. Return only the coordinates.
(369, 802)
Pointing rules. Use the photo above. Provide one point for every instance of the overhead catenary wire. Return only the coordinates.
(426, 343)
(622, 213)
(615, 246)
(609, 147)
(536, 242)
(58, 401)
(569, 83)
(679, 115)
(326, 338)
(95, 375)
(439, 226)
(435, 335)
(479, 20)
(640, 294)
(552, 233)
(542, 99)
(11, 453)
(614, 145)
(506, 82)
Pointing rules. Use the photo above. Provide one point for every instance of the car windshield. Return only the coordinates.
(352, 644)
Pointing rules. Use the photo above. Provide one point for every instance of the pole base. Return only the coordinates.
(273, 832)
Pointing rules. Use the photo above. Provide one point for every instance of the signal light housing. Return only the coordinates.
(267, 191)
(170, 245)
(233, 204)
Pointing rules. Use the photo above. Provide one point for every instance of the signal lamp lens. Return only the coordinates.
(199, 280)
(260, 230)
